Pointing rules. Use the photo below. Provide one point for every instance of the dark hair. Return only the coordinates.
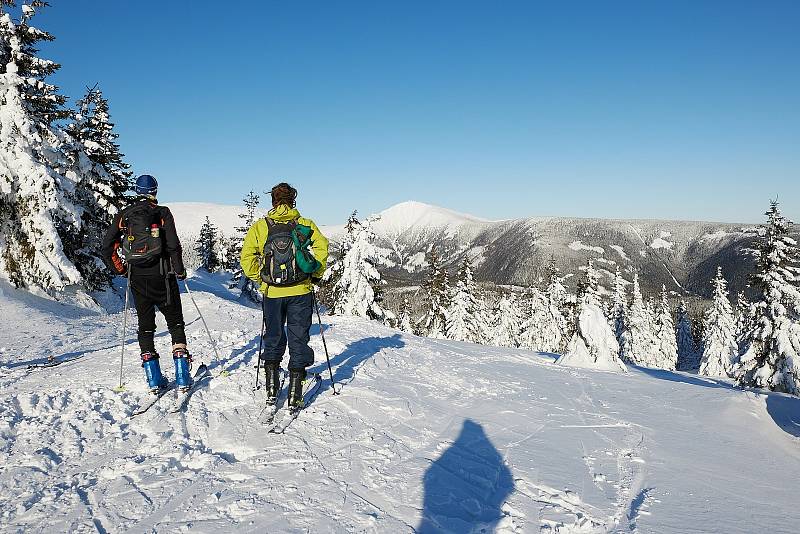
(283, 193)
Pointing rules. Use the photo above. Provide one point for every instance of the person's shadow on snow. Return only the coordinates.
(346, 362)
(465, 489)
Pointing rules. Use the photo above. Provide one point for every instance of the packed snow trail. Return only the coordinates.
(426, 435)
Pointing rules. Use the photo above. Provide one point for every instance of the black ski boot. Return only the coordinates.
(273, 381)
(296, 379)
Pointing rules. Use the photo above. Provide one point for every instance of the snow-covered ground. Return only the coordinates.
(426, 436)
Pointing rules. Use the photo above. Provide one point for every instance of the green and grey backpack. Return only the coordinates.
(287, 260)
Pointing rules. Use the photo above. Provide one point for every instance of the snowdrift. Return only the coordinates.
(426, 435)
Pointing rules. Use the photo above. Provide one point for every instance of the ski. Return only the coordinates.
(152, 401)
(267, 415)
(201, 376)
(310, 389)
(53, 363)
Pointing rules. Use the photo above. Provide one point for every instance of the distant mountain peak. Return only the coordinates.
(412, 213)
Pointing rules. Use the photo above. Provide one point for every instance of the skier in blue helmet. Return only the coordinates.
(153, 263)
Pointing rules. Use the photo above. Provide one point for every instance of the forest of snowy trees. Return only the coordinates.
(62, 176)
(756, 343)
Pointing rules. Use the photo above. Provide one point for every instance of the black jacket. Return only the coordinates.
(171, 260)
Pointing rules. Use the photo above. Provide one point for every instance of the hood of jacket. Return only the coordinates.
(283, 213)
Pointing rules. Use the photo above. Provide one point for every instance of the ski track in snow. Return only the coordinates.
(426, 435)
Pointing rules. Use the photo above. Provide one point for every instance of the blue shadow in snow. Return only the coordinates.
(785, 411)
(672, 376)
(467, 486)
(346, 362)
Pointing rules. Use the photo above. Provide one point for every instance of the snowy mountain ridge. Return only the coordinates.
(683, 255)
(426, 435)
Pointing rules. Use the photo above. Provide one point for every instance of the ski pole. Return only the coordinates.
(211, 339)
(260, 343)
(324, 344)
(124, 329)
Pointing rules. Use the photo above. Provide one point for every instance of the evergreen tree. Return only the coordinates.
(92, 128)
(535, 330)
(248, 219)
(464, 317)
(434, 323)
(359, 284)
(330, 293)
(771, 348)
(639, 347)
(687, 350)
(719, 335)
(507, 322)
(38, 211)
(697, 334)
(619, 307)
(593, 345)
(404, 322)
(744, 317)
(94, 163)
(556, 325)
(226, 252)
(206, 247)
(665, 333)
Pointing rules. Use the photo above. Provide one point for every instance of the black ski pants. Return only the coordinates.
(157, 291)
(295, 314)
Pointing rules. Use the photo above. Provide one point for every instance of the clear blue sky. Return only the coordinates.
(685, 110)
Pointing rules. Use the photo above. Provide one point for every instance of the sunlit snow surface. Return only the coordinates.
(426, 435)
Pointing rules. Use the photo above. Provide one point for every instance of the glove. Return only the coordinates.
(181, 276)
(316, 281)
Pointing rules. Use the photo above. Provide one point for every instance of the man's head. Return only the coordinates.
(146, 185)
(284, 194)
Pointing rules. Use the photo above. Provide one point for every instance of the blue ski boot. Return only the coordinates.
(183, 367)
(152, 370)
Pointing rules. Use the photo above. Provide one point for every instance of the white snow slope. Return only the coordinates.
(190, 216)
(426, 436)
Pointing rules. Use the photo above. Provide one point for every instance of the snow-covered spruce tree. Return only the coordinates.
(665, 333)
(226, 252)
(556, 326)
(771, 349)
(248, 218)
(464, 314)
(720, 349)
(329, 293)
(744, 317)
(593, 345)
(435, 286)
(687, 351)
(102, 179)
(619, 307)
(91, 126)
(359, 284)
(640, 346)
(507, 323)
(206, 246)
(697, 334)
(404, 321)
(36, 201)
(536, 328)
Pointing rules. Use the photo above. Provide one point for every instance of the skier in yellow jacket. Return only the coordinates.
(285, 254)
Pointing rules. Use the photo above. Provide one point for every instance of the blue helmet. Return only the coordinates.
(146, 185)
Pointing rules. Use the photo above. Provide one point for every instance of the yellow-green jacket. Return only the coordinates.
(253, 249)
